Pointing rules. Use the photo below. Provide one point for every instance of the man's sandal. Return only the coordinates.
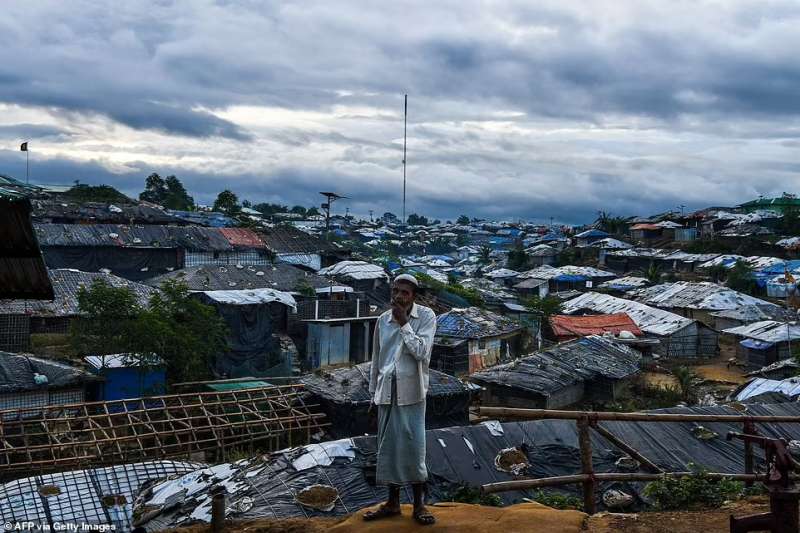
(424, 518)
(381, 512)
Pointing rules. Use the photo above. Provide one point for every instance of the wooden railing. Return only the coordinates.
(587, 420)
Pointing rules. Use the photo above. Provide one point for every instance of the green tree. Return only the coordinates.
(740, 278)
(609, 223)
(687, 383)
(268, 209)
(790, 223)
(177, 197)
(417, 220)
(184, 332)
(107, 313)
(312, 212)
(517, 258)
(227, 202)
(174, 328)
(462, 239)
(299, 210)
(547, 306)
(155, 189)
(653, 273)
(96, 193)
(463, 220)
(485, 254)
(168, 192)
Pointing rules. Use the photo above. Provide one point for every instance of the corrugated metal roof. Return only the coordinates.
(582, 326)
(288, 239)
(694, 295)
(193, 238)
(66, 283)
(649, 319)
(242, 238)
(280, 276)
(624, 283)
(767, 331)
(474, 323)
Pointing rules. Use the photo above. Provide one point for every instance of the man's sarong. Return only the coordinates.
(401, 443)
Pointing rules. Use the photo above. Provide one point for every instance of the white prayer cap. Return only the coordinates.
(408, 278)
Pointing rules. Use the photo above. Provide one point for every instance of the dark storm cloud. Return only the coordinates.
(668, 103)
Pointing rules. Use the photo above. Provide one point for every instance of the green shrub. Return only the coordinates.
(556, 500)
(692, 492)
(470, 494)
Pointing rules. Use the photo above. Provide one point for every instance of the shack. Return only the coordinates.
(678, 336)
(333, 341)
(765, 342)
(696, 300)
(589, 369)
(255, 318)
(28, 381)
(470, 339)
(127, 376)
(566, 327)
(343, 395)
(20, 319)
(280, 276)
(296, 247)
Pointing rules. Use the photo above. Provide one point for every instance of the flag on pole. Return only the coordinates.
(23, 147)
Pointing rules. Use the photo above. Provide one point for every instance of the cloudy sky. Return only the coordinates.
(516, 109)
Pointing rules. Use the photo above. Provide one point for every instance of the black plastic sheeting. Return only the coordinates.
(565, 364)
(344, 396)
(17, 373)
(465, 455)
(253, 349)
(130, 263)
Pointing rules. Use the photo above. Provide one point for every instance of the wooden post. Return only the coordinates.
(585, 443)
(218, 513)
(749, 429)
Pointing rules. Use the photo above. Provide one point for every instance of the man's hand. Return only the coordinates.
(399, 314)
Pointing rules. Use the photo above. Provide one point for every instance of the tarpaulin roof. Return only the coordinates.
(242, 238)
(581, 326)
(560, 366)
(695, 295)
(549, 272)
(355, 270)
(756, 313)
(789, 386)
(646, 227)
(82, 494)
(474, 323)
(591, 233)
(767, 330)
(288, 239)
(351, 385)
(754, 344)
(66, 284)
(280, 276)
(649, 319)
(17, 373)
(266, 486)
(251, 296)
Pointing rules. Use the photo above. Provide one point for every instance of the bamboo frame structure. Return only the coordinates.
(57, 437)
(590, 419)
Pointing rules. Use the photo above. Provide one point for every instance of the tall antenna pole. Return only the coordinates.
(405, 126)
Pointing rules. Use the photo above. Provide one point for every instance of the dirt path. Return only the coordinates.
(707, 521)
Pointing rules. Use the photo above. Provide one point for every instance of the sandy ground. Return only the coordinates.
(450, 517)
(525, 517)
(707, 521)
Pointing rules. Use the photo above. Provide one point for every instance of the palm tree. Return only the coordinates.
(485, 254)
(653, 273)
(687, 383)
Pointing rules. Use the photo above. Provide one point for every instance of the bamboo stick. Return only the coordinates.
(627, 448)
(541, 414)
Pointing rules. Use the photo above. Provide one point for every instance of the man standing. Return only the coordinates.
(398, 385)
